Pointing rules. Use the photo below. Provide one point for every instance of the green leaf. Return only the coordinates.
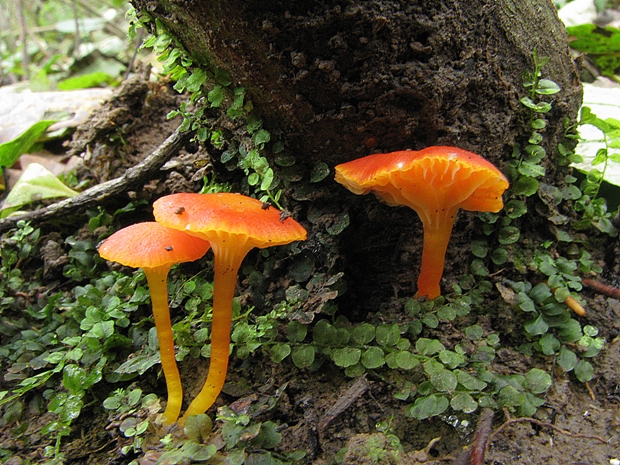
(303, 356)
(537, 326)
(537, 381)
(531, 169)
(430, 320)
(216, 96)
(363, 334)
(547, 87)
(469, 382)
(499, 256)
(346, 356)
(566, 359)
(509, 235)
(387, 335)
(463, 402)
(325, 334)
(86, 81)
(525, 303)
(196, 80)
(355, 371)
(428, 347)
(549, 344)
(373, 358)
(584, 371)
(406, 360)
(525, 186)
(261, 137)
(474, 332)
(279, 352)
(138, 364)
(509, 396)
(479, 248)
(444, 380)
(451, 359)
(35, 183)
(515, 209)
(319, 172)
(426, 407)
(10, 151)
(339, 224)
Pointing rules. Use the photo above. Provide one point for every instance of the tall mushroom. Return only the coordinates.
(435, 182)
(233, 224)
(155, 248)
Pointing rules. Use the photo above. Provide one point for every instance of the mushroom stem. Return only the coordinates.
(157, 281)
(436, 239)
(226, 266)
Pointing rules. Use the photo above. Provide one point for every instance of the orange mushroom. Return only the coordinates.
(233, 224)
(155, 248)
(435, 182)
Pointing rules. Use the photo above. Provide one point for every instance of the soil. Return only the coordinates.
(324, 411)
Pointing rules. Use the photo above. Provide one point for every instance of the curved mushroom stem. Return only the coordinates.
(226, 265)
(157, 279)
(436, 239)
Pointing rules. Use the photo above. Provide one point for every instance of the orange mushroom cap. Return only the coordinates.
(151, 245)
(428, 179)
(435, 182)
(212, 216)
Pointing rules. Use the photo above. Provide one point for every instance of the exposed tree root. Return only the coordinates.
(102, 193)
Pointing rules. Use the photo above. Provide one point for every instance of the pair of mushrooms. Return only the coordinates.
(186, 226)
(435, 182)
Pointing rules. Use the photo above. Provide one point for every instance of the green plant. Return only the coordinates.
(212, 97)
(592, 207)
(550, 328)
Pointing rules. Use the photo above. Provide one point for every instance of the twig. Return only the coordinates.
(354, 392)
(510, 421)
(102, 193)
(602, 288)
(475, 455)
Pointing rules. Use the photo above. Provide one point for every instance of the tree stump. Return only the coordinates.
(342, 79)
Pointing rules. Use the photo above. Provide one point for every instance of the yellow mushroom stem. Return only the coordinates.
(437, 233)
(226, 263)
(157, 281)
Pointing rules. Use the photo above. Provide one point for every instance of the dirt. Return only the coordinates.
(324, 411)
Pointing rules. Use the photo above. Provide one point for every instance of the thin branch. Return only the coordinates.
(102, 193)
(510, 421)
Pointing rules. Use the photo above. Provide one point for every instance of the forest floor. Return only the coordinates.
(324, 411)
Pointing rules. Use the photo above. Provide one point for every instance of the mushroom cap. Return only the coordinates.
(151, 245)
(217, 216)
(434, 178)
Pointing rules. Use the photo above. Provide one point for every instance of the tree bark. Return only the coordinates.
(342, 79)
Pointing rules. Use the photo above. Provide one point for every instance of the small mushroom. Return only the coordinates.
(435, 182)
(155, 248)
(233, 224)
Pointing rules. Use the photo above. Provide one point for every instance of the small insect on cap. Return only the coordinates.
(151, 245)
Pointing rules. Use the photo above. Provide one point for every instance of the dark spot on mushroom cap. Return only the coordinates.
(169, 248)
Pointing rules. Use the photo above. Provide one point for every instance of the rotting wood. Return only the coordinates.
(100, 194)
(354, 392)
